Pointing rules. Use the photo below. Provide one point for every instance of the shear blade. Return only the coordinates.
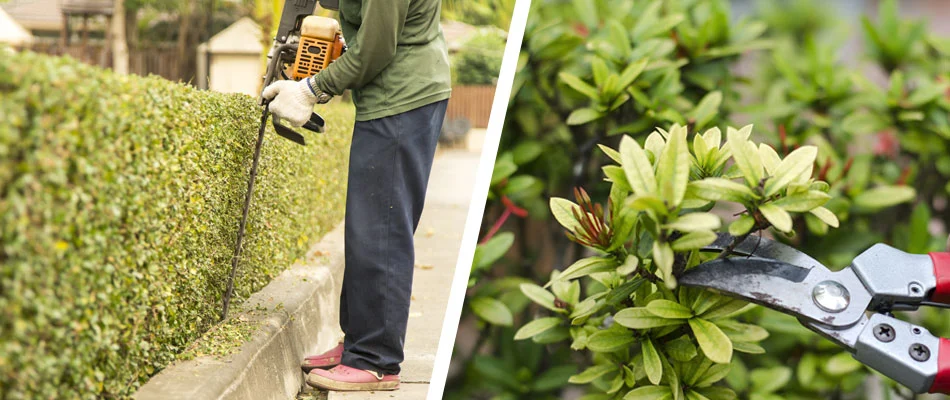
(781, 286)
(764, 248)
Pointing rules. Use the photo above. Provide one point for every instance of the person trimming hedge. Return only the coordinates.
(397, 66)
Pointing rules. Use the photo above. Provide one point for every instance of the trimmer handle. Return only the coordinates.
(942, 380)
(316, 124)
(906, 353)
(941, 292)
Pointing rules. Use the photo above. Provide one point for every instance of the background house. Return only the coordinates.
(235, 59)
(13, 33)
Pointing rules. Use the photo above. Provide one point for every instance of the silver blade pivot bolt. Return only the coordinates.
(831, 296)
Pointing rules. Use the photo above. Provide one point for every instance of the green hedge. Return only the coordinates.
(119, 202)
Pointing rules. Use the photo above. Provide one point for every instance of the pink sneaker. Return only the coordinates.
(343, 378)
(328, 359)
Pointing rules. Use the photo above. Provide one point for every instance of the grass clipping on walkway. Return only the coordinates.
(119, 204)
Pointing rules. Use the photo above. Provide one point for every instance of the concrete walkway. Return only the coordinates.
(437, 245)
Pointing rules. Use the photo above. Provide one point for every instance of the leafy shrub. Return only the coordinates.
(650, 338)
(479, 59)
(119, 204)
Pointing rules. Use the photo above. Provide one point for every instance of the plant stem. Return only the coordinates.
(494, 229)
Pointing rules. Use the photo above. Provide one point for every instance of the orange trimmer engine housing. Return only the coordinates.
(321, 42)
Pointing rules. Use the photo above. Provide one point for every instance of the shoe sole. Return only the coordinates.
(318, 381)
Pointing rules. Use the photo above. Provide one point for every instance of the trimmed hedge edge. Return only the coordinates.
(119, 205)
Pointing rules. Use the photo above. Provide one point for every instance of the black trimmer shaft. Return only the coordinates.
(238, 247)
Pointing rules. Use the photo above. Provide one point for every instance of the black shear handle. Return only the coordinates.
(316, 124)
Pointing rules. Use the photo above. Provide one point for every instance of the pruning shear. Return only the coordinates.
(851, 307)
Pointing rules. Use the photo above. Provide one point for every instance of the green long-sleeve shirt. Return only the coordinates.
(396, 58)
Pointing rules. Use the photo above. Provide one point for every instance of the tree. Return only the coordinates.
(120, 47)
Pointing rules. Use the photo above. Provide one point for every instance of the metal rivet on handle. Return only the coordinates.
(831, 296)
(884, 333)
(916, 288)
(919, 352)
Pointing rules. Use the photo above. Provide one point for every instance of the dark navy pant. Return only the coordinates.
(390, 161)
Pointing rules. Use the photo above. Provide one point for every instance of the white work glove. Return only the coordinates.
(293, 101)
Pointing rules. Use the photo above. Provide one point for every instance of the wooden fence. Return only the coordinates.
(472, 103)
(158, 60)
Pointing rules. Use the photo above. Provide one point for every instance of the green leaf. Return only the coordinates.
(651, 361)
(504, 167)
(925, 94)
(718, 393)
(778, 217)
(585, 308)
(526, 151)
(631, 72)
(663, 259)
(629, 265)
(537, 327)
(492, 311)
(672, 174)
(715, 189)
(648, 202)
(624, 291)
(600, 70)
(742, 225)
(798, 163)
(748, 348)
(807, 367)
(579, 85)
(694, 240)
(918, 240)
(681, 349)
(669, 309)
(883, 197)
(613, 154)
(712, 375)
(706, 110)
(697, 221)
(562, 209)
(609, 340)
(592, 373)
(700, 150)
(739, 332)
(714, 343)
(770, 159)
(637, 166)
(768, 380)
(554, 378)
(616, 175)
(803, 201)
(491, 251)
(713, 137)
(649, 393)
(540, 296)
(724, 308)
(640, 318)
(841, 364)
(584, 115)
(587, 266)
(826, 216)
(745, 154)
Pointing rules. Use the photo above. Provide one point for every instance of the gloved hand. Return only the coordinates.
(293, 101)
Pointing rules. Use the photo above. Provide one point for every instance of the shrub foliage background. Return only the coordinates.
(479, 59)
(594, 71)
(119, 204)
